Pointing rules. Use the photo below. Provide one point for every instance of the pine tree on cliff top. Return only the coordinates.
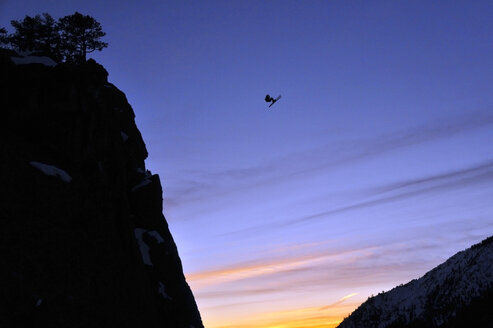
(80, 35)
(70, 39)
(3, 36)
(36, 34)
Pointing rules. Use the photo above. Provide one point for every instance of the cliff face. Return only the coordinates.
(83, 240)
(457, 293)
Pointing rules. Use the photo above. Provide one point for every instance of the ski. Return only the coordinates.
(274, 101)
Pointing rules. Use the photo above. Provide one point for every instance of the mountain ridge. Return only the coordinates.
(455, 292)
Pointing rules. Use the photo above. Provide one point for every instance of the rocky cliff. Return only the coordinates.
(457, 293)
(83, 240)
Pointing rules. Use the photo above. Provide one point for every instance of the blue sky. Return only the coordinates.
(375, 166)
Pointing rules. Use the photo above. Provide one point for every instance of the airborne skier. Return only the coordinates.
(268, 98)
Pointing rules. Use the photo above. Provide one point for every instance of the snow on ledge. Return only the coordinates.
(143, 183)
(162, 291)
(124, 136)
(33, 60)
(144, 248)
(52, 171)
(156, 235)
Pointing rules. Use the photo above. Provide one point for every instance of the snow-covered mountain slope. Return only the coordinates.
(454, 293)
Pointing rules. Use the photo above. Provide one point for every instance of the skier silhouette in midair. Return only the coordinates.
(268, 98)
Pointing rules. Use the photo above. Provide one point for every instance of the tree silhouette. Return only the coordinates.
(3, 36)
(80, 35)
(36, 34)
(69, 39)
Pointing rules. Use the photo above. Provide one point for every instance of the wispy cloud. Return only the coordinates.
(470, 174)
(357, 150)
(478, 174)
(347, 267)
(259, 267)
(355, 270)
(199, 184)
(389, 193)
(339, 302)
(297, 265)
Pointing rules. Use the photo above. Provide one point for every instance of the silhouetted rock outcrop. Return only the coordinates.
(457, 293)
(83, 240)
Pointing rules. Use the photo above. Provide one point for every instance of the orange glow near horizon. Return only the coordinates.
(271, 266)
(309, 286)
(311, 317)
(254, 284)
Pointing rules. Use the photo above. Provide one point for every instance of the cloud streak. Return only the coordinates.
(291, 264)
(342, 300)
(214, 184)
(479, 174)
(397, 191)
(351, 269)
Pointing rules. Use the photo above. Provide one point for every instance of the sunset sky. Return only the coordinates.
(375, 166)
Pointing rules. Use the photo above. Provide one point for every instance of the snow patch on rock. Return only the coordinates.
(52, 171)
(161, 290)
(25, 60)
(147, 180)
(143, 246)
